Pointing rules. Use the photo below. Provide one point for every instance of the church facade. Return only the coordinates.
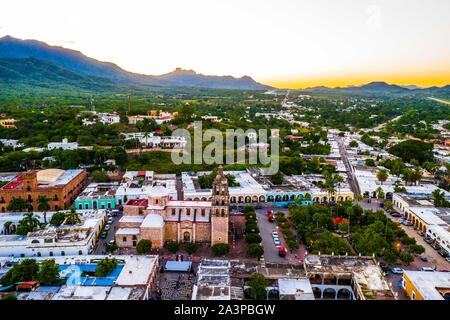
(160, 219)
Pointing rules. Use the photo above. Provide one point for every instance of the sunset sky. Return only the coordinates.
(295, 44)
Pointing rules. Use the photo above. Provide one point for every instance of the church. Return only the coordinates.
(160, 219)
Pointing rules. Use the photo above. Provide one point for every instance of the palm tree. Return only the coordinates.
(30, 220)
(338, 179)
(146, 135)
(72, 217)
(44, 205)
(438, 198)
(7, 227)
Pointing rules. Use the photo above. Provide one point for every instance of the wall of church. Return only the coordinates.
(203, 232)
(156, 235)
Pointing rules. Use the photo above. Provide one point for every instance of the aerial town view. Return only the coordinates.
(307, 157)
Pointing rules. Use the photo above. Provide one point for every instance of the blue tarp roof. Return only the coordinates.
(178, 266)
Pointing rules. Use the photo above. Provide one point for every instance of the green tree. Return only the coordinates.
(144, 246)
(253, 238)
(44, 205)
(19, 204)
(191, 247)
(72, 217)
(382, 175)
(258, 285)
(220, 249)
(406, 258)
(26, 270)
(353, 144)
(173, 247)
(255, 250)
(57, 218)
(105, 267)
(27, 224)
(48, 272)
(380, 193)
(100, 176)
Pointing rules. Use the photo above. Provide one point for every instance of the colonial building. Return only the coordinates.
(61, 186)
(161, 219)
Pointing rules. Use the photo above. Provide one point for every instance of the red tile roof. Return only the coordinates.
(137, 202)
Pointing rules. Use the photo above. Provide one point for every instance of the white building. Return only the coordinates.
(64, 240)
(138, 185)
(64, 145)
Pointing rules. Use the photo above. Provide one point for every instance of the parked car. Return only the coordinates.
(424, 258)
(421, 233)
(406, 223)
(282, 251)
(397, 270)
(274, 234)
(104, 234)
(428, 240)
(436, 246)
(444, 253)
(428, 269)
(107, 227)
(276, 241)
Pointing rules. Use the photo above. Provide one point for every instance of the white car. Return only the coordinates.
(107, 227)
(397, 270)
(276, 241)
(274, 234)
(427, 269)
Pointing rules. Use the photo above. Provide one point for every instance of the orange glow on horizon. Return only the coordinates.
(422, 80)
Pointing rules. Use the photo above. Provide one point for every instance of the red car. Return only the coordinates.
(282, 251)
(270, 217)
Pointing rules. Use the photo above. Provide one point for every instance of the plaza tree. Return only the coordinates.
(258, 285)
(144, 246)
(382, 175)
(48, 272)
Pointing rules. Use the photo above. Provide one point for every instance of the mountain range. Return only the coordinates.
(382, 88)
(34, 62)
(28, 65)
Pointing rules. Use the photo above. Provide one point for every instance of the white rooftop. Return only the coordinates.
(426, 283)
(137, 271)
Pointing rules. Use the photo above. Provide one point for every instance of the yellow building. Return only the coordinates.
(8, 123)
(426, 285)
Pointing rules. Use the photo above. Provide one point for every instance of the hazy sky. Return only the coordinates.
(285, 43)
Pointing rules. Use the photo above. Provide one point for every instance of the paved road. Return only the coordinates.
(350, 174)
(270, 249)
(265, 229)
(101, 244)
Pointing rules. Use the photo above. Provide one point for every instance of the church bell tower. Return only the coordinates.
(220, 208)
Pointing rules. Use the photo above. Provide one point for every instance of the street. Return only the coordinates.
(270, 249)
(100, 248)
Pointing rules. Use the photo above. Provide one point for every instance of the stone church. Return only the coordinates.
(160, 219)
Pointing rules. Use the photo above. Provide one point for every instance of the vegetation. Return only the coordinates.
(220, 249)
(258, 285)
(144, 246)
(173, 247)
(29, 223)
(48, 272)
(413, 149)
(105, 267)
(191, 247)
